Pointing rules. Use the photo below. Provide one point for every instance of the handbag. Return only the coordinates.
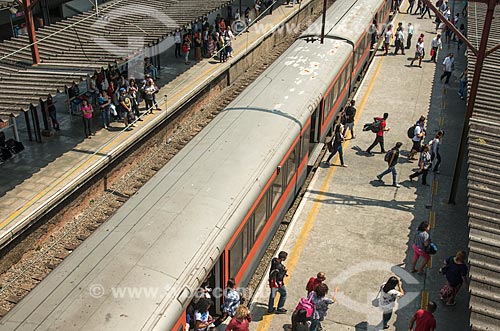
(431, 249)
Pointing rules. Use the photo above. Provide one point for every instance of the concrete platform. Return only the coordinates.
(358, 230)
(32, 181)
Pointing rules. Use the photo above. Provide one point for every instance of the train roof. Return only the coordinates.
(166, 238)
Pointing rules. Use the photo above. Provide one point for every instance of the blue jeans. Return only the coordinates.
(394, 174)
(386, 316)
(341, 155)
(105, 117)
(272, 295)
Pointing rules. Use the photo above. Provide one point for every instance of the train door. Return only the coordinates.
(314, 133)
(216, 282)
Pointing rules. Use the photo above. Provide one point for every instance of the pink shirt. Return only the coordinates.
(87, 111)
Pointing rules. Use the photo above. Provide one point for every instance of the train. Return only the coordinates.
(211, 212)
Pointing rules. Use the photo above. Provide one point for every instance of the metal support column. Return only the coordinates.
(28, 125)
(30, 25)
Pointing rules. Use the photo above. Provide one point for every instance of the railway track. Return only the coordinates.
(30, 259)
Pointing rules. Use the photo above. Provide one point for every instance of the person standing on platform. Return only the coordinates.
(336, 145)
(410, 35)
(392, 160)
(390, 291)
(313, 282)
(87, 111)
(448, 66)
(387, 39)
(379, 138)
(178, 43)
(51, 109)
(241, 320)
(436, 45)
(400, 39)
(350, 114)
(104, 104)
(276, 283)
(462, 81)
(321, 303)
(424, 319)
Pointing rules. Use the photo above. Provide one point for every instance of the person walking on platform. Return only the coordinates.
(321, 303)
(436, 45)
(418, 136)
(410, 6)
(276, 283)
(51, 109)
(424, 319)
(87, 111)
(422, 239)
(410, 35)
(427, 10)
(379, 138)
(455, 272)
(420, 8)
(424, 164)
(435, 145)
(448, 66)
(462, 81)
(392, 160)
(390, 291)
(336, 145)
(419, 52)
(314, 282)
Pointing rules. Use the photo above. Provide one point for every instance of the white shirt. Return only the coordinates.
(388, 36)
(416, 132)
(436, 43)
(410, 29)
(401, 35)
(448, 63)
(420, 48)
(177, 38)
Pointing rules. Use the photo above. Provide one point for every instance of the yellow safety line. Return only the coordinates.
(441, 121)
(432, 219)
(429, 263)
(425, 299)
(434, 187)
(300, 243)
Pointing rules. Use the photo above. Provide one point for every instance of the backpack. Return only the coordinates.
(307, 305)
(431, 249)
(411, 132)
(388, 155)
(375, 126)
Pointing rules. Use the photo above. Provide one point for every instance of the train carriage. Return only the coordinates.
(212, 210)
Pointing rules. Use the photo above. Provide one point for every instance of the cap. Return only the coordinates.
(122, 89)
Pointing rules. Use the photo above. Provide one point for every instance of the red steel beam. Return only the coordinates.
(27, 6)
(472, 96)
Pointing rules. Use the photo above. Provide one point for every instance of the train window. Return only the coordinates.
(249, 228)
(260, 216)
(292, 164)
(305, 143)
(276, 190)
(236, 256)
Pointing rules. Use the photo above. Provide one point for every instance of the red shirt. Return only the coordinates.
(312, 283)
(236, 325)
(382, 126)
(424, 320)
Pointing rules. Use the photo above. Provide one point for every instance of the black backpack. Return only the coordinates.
(376, 126)
(411, 132)
(388, 155)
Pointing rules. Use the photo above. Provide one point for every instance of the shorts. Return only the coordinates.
(349, 126)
